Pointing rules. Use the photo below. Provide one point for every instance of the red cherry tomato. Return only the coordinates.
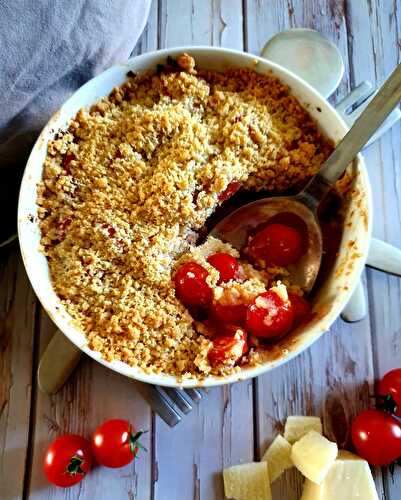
(301, 308)
(376, 436)
(229, 347)
(226, 264)
(191, 286)
(231, 189)
(269, 316)
(276, 244)
(115, 443)
(67, 460)
(390, 387)
(229, 313)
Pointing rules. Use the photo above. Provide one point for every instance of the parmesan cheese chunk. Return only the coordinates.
(278, 457)
(313, 455)
(297, 426)
(349, 478)
(247, 482)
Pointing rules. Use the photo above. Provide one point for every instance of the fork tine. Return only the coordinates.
(160, 403)
(180, 398)
(195, 394)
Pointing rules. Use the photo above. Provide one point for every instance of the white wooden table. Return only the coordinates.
(332, 379)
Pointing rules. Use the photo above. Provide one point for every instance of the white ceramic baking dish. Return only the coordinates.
(331, 297)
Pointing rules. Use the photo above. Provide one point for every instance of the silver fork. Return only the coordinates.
(169, 403)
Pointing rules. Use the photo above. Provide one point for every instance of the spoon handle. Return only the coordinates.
(364, 127)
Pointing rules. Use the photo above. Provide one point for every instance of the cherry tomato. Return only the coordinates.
(231, 189)
(390, 388)
(229, 347)
(191, 286)
(229, 313)
(115, 443)
(276, 244)
(269, 316)
(376, 436)
(67, 460)
(227, 265)
(301, 308)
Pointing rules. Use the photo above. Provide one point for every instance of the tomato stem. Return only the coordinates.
(74, 467)
(134, 441)
(386, 403)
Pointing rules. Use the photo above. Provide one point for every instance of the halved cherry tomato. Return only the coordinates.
(231, 189)
(390, 390)
(229, 347)
(67, 460)
(301, 307)
(227, 265)
(269, 316)
(276, 244)
(229, 313)
(376, 436)
(115, 443)
(191, 286)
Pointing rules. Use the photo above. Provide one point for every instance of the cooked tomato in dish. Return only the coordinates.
(301, 307)
(230, 190)
(230, 347)
(229, 313)
(269, 316)
(227, 265)
(276, 244)
(191, 286)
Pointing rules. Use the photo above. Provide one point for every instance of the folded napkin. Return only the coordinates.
(48, 48)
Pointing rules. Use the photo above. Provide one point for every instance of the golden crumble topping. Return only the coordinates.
(128, 185)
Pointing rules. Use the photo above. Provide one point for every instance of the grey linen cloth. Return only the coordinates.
(49, 48)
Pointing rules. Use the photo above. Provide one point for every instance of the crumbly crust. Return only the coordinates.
(127, 186)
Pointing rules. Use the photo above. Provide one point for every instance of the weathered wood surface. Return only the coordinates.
(234, 424)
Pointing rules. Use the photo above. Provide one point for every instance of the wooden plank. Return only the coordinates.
(92, 395)
(190, 22)
(333, 378)
(17, 318)
(375, 51)
(219, 432)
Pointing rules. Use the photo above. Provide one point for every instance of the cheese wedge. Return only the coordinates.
(349, 478)
(297, 426)
(278, 457)
(247, 482)
(313, 455)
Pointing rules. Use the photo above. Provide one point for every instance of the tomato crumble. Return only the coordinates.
(129, 184)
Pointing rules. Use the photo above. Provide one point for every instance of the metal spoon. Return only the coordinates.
(236, 227)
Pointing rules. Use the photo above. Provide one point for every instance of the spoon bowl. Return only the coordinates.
(236, 228)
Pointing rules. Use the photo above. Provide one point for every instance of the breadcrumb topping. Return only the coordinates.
(126, 188)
